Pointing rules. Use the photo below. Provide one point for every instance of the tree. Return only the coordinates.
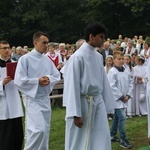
(65, 20)
(127, 17)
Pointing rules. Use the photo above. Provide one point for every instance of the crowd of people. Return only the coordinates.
(103, 79)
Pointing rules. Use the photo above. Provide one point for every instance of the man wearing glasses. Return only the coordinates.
(35, 77)
(11, 130)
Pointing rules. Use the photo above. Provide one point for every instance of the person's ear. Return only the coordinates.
(90, 36)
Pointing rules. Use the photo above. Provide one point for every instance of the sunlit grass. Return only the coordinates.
(136, 129)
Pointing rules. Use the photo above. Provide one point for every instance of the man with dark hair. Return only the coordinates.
(35, 77)
(11, 130)
(86, 95)
(38, 34)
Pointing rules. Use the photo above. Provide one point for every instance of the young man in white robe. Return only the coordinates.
(87, 95)
(35, 77)
(11, 129)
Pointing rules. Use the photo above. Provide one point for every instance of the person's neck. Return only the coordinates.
(4, 58)
(118, 66)
(38, 51)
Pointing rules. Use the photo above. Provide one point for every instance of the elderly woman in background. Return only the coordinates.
(18, 54)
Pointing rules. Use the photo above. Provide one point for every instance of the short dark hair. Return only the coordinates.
(94, 28)
(3, 42)
(38, 34)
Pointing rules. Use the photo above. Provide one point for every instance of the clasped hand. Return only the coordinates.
(43, 81)
(126, 99)
(139, 79)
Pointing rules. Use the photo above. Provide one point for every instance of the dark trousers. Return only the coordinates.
(11, 134)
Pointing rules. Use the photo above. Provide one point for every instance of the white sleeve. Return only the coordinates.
(26, 85)
(112, 77)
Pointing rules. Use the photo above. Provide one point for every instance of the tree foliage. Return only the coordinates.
(65, 20)
(127, 17)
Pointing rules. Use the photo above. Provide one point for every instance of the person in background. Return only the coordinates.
(112, 44)
(18, 54)
(120, 38)
(130, 48)
(108, 65)
(13, 50)
(69, 53)
(106, 51)
(11, 112)
(79, 43)
(124, 43)
(118, 46)
(25, 47)
(35, 77)
(140, 82)
(129, 69)
(24, 51)
(135, 40)
(133, 56)
(63, 52)
(86, 95)
(139, 45)
(146, 52)
(54, 56)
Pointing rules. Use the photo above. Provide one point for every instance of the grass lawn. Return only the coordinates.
(136, 129)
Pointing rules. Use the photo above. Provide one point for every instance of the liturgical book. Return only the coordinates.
(10, 69)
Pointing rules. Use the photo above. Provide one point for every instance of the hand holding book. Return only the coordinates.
(10, 69)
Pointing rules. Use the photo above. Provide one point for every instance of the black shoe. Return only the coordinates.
(114, 139)
(125, 144)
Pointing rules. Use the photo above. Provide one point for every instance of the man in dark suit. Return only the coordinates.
(106, 51)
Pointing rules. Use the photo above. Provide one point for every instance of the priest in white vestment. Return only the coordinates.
(87, 95)
(35, 77)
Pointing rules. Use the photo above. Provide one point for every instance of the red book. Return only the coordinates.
(10, 69)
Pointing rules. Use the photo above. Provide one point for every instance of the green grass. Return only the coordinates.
(136, 129)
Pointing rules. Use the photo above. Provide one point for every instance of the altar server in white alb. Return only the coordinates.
(11, 129)
(35, 77)
(122, 85)
(148, 94)
(86, 89)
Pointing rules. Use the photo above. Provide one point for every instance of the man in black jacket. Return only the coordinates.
(106, 51)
